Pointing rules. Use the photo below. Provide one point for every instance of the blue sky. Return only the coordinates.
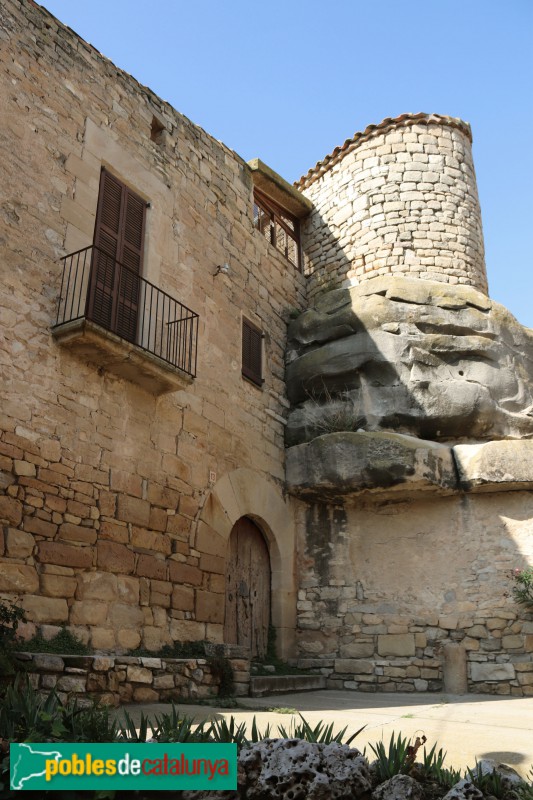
(288, 81)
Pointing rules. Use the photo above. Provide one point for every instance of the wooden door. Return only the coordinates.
(117, 258)
(248, 589)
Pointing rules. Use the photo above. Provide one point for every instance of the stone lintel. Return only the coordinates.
(279, 190)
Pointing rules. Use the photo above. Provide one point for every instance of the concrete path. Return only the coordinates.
(467, 727)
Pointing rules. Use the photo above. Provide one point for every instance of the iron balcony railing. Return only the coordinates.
(98, 288)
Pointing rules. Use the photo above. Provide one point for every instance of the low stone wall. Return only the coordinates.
(114, 680)
(411, 662)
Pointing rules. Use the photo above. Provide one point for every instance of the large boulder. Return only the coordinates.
(437, 361)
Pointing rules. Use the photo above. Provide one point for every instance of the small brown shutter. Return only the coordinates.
(252, 352)
(117, 260)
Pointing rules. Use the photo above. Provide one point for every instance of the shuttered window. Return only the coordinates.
(117, 259)
(252, 352)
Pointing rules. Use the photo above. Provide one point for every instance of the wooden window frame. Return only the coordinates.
(271, 220)
(252, 333)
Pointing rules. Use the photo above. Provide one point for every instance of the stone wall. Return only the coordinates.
(129, 679)
(103, 483)
(388, 585)
(401, 197)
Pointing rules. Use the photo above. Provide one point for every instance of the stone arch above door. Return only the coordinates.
(246, 493)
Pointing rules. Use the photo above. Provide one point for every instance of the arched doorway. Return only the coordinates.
(247, 615)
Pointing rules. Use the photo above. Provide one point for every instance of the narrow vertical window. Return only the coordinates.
(252, 352)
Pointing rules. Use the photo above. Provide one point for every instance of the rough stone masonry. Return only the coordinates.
(383, 455)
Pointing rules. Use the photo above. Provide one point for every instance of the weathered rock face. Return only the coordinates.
(339, 464)
(288, 768)
(436, 361)
(400, 787)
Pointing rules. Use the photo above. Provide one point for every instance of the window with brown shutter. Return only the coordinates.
(117, 258)
(252, 352)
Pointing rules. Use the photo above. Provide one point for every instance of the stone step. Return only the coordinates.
(261, 685)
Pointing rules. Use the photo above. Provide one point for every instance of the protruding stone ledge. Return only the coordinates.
(506, 466)
(344, 464)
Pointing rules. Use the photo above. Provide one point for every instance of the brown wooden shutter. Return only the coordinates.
(252, 352)
(117, 260)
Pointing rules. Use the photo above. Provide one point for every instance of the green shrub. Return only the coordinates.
(523, 588)
(64, 643)
(10, 618)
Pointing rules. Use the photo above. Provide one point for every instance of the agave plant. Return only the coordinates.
(321, 733)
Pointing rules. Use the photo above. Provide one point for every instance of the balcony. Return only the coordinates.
(112, 317)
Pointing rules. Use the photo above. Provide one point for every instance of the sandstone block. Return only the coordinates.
(114, 531)
(142, 694)
(103, 664)
(184, 573)
(64, 555)
(76, 533)
(45, 609)
(151, 540)
(151, 567)
(492, 672)
(18, 578)
(58, 585)
(128, 589)
(10, 510)
(102, 638)
(42, 662)
(96, 586)
(401, 644)
(163, 496)
(164, 682)
(114, 557)
(40, 526)
(512, 642)
(209, 607)
(209, 541)
(126, 483)
(70, 683)
(18, 544)
(107, 503)
(357, 650)
(353, 666)
(24, 468)
(184, 630)
(134, 510)
(212, 564)
(124, 616)
(139, 674)
(158, 519)
(129, 639)
(88, 612)
(183, 598)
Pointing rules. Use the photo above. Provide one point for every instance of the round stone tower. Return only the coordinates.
(398, 198)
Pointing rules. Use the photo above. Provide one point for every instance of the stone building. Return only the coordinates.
(230, 403)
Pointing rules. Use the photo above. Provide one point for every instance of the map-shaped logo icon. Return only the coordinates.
(30, 763)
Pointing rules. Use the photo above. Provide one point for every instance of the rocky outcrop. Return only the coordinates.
(424, 358)
(288, 768)
(337, 465)
(340, 464)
